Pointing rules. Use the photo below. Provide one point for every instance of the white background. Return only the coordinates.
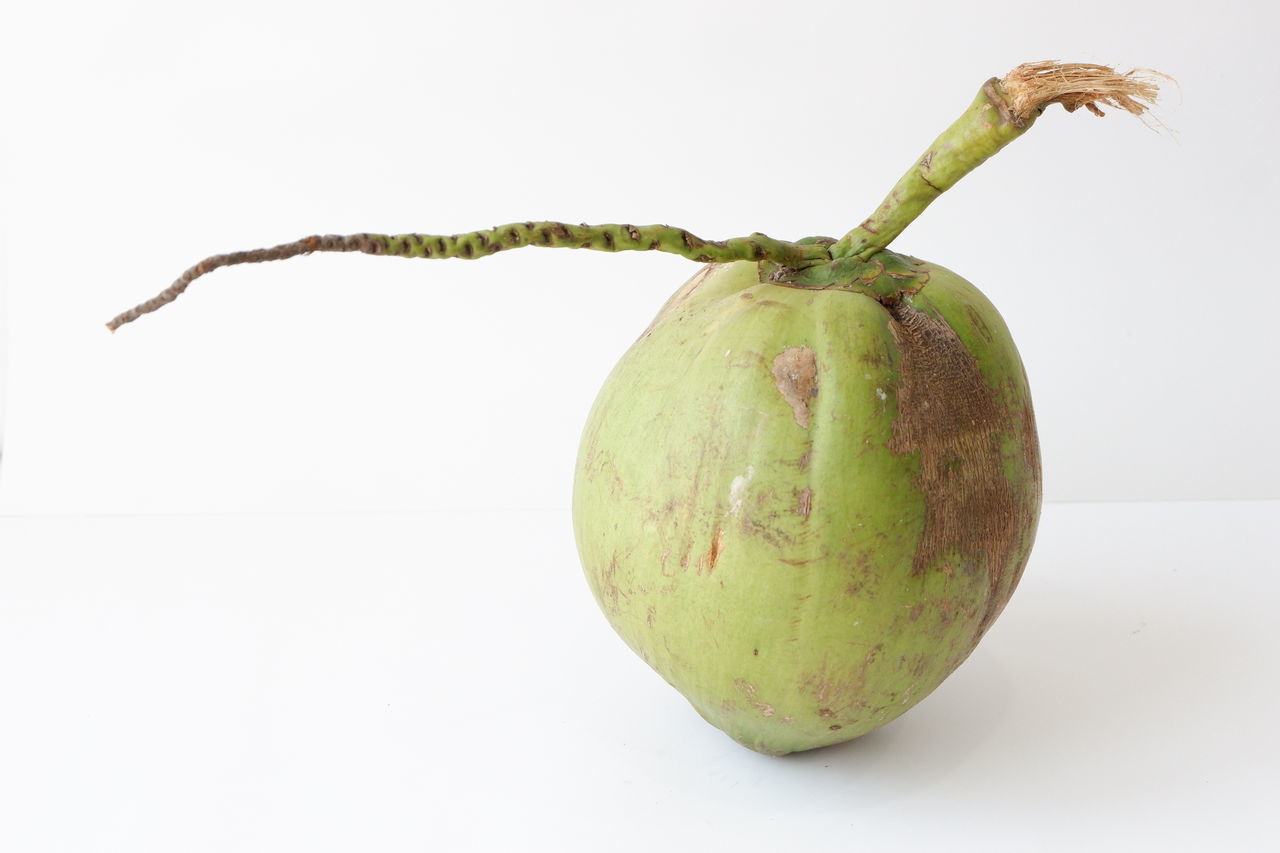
(1130, 265)
(444, 681)
(401, 653)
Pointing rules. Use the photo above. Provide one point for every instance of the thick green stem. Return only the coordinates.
(1004, 110)
(480, 244)
(987, 126)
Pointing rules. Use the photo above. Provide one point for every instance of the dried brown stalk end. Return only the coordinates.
(1034, 85)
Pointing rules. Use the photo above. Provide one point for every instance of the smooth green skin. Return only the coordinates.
(787, 630)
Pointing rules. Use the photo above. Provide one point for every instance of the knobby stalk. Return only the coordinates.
(1003, 111)
(480, 244)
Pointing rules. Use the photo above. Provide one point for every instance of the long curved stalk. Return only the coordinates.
(1004, 110)
(480, 244)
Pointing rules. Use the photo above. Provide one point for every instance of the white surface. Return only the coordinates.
(443, 681)
(145, 135)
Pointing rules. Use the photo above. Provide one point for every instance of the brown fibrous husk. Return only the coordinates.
(1034, 85)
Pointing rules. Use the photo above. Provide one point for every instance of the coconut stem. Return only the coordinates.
(479, 244)
(1003, 110)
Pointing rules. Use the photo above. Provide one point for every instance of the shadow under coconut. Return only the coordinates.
(1094, 688)
(932, 739)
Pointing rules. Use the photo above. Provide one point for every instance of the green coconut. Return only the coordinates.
(804, 507)
(809, 488)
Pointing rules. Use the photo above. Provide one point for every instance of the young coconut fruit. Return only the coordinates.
(810, 487)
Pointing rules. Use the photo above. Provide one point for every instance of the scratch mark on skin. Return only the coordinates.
(680, 297)
(713, 553)
(804, 502)
(749, 690)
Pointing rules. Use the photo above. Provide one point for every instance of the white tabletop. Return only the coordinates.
(444, 681)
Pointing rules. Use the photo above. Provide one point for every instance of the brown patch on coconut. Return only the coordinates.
(795, 373)
(955, 422)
